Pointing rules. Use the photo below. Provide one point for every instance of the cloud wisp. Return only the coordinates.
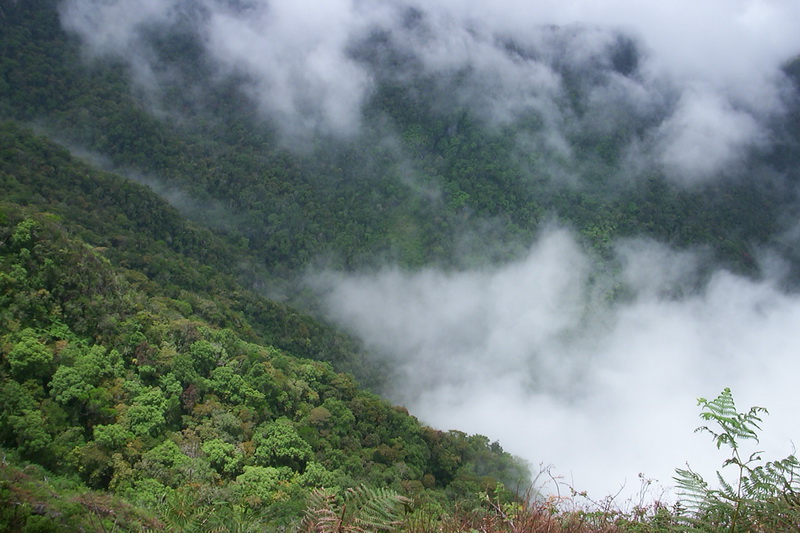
(708, 75)
(531, 353)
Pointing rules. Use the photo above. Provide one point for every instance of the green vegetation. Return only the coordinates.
(147, 380)
(360, 509)
(762, 497)
(134, 228)
(150, 405)
(168, 398)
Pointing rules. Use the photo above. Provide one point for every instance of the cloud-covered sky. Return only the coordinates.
(532, 354)
(710, 69)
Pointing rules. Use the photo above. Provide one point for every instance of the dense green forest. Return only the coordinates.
(157, 392)
(163, 366)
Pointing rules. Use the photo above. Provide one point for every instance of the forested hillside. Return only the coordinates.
(427, 182)
(136, 229)
(142, 386)
(220, 254)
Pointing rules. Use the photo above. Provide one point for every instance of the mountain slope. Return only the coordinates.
(140, 385)
(135, 228)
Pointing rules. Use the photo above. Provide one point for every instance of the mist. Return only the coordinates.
(706, 78)
(537, 355)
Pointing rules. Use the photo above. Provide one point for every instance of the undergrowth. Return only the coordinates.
(750, 495)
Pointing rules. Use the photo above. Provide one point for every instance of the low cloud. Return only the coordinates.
(706, 72)
(295, 55)
(736, 46)
(706, 136)
(532, 354)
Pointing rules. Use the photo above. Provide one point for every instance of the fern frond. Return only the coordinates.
(735, 426)
(362, 509)
(771, 480)
(759, 485)
(322, 499)
(182, 512)
(790, 468)
(322, 513)
(762, 497)
(692, 487)
(726, 491)
(377, 509)
(233, 518)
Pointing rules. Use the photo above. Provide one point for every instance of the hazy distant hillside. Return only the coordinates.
(429, 161)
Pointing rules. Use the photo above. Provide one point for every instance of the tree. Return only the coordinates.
(29, 428)
(223, 456)
(233, 388)
(278, 444)
(205, 356)
(111, 436)
(261, 482)
(146, 415)
(29, 358)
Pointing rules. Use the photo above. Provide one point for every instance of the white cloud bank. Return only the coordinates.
(711, 68)
(529, 354)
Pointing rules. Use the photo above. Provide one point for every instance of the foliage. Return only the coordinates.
(103, 377)
(360, 509)
(761, 497)
(279, 444)
(203, 274)
(33, 499)
(29, 358)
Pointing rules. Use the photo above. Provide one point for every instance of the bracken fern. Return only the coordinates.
(360, 509)
(761, 498)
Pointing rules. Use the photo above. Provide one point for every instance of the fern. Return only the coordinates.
(232, 518)
(360, 509)
(759, 488)
(692, 487)
(377, 510)
(734, 426)
(322, 514)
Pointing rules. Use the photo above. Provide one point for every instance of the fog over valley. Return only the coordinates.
(626, 244)
(533, 354)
